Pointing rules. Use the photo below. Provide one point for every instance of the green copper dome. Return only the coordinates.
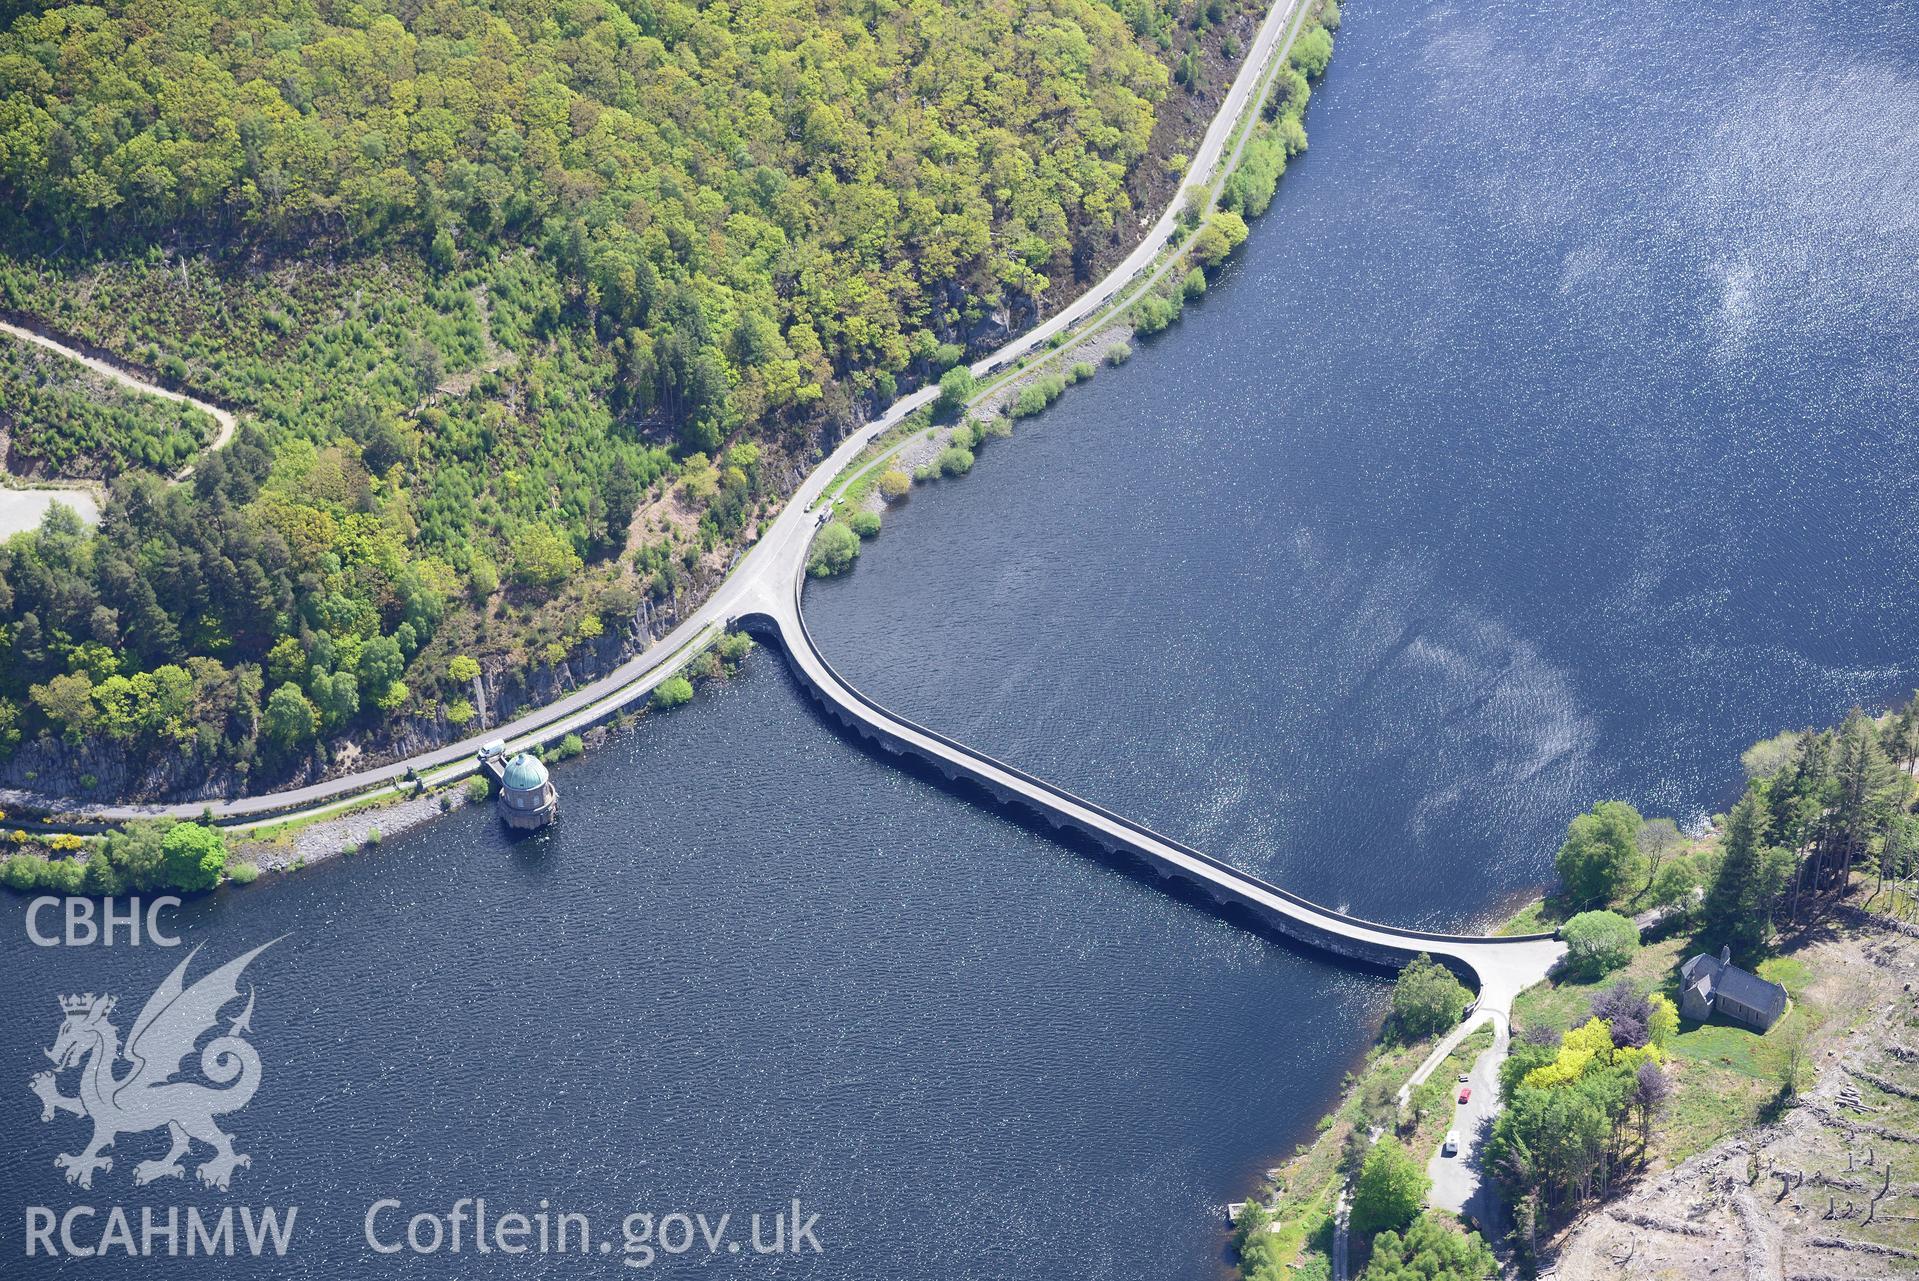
(524, 774)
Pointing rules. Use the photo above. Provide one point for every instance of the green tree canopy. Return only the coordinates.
(1599, 942)
(1223, 232)
(131, 860)
(194, 856)
(1391, 1188)
(674, 691)
(1552, 1142)
(290, 718)
(1870, 789)
(956, 388)
(1427, 999)
(835, 548)
(1739, 903)
(1430, 1250)
(482, 280)
(1312, 51)
(1600, 856)
(1771, 756)
(1799, 796)
(1675, 887)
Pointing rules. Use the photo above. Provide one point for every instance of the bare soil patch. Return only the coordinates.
(1829, 1190)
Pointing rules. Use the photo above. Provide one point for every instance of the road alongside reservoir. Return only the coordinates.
(768, 561)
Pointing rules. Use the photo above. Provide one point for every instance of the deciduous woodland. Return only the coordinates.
(531, 311)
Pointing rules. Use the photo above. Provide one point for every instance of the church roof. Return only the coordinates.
(1723, 978)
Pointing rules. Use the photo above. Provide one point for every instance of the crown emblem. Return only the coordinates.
(85, 1004)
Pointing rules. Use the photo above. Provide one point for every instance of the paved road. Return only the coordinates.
(1504, 966)
(768, 560)
(1343, 1234)
(1459, 1182)
(1206, 157)
(785, 540)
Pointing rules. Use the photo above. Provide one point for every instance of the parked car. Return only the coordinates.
(1464, 1077)
(1465, 1092)
(1451, 1146)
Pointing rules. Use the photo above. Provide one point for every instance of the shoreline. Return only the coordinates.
(1094, 309)
(291, 845)
(1303, 1214)
(1852, 973)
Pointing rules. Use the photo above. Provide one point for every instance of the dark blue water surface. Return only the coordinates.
(1548, 442)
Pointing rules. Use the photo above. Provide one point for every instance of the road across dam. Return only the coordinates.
(1503, 965)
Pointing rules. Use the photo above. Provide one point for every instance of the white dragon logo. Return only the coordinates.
(146, 1097)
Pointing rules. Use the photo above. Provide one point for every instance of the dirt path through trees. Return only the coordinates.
(228, 424)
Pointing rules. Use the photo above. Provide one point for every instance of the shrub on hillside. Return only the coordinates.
(835, 548)
(1598, 943)
(953, 461)
(674, 691)
(1427, 999)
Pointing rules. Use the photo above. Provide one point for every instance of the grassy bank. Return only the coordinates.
(1725, 1078)
(1303, 1193)
(1289, 1231)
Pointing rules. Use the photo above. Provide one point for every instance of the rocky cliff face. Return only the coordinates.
(100, 769)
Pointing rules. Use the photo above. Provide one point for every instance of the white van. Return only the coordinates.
(1451, 1146)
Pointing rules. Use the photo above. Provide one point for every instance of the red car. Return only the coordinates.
(1465, 1092)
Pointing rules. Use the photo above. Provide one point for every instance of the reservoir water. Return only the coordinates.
(1545, 444)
